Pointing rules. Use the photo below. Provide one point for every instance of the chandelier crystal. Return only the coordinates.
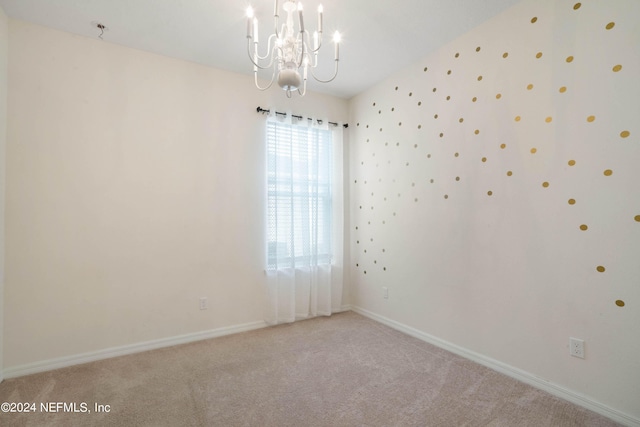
(291, 53)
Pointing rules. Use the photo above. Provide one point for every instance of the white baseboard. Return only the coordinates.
(343, 308)
(63, 362)
(508, 370)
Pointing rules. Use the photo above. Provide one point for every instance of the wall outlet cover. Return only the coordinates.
(576, 347)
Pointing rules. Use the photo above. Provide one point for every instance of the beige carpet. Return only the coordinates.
(345, 370)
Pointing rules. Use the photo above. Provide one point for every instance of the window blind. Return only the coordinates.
(299, 199)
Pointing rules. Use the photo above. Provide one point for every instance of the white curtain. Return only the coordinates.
(304, 222)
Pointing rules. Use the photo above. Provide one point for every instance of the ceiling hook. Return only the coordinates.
(101, 27)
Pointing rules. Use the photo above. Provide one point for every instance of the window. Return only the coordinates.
(299, 196)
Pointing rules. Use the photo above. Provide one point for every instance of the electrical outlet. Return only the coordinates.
(203, 303)
(385, 292)
(576, 347)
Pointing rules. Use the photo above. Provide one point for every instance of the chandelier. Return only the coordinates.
(290, 53)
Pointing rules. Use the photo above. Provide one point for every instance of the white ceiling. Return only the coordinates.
(379, 36)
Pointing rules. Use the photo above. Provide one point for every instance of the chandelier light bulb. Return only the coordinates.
(249, 12)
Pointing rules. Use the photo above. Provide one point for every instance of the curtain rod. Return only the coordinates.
(262, 110)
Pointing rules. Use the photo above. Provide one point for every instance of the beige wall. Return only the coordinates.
(511, 275)
(4, 54)
(134, 187)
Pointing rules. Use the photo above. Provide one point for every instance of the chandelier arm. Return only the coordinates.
(255, 78)
(275, 25)
(256, 63)
(302, 50)
(260, 58)
(250, 54)
(304, 88)
(319, 41)
(331, 79)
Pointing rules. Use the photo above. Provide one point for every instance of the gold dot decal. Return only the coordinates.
(534, 150)
(620, 303)
(489, 193)
(457, 54)
(484, 159)
(457, 178)
(548, 119)
(617, 68)
(509, 173)
(479, 78)
(478, 49)
(539, 55)
(600, 269)
(608, 172)
(477, 131)
(591, 118)
(504, 55)
(456, 154)
(563, 89)
(446, 196)
(517, 119)
(448, 72)
(461, 120)
(545, 184)
(577, 6)
(474, 99)
(498, 95)
(572, 201)
(584, 227)
(571, 162)
(503, 146)
(569, 58)
(610, 25)
(624, 134)
(637, 218)
(529, 86)
(534, 19)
